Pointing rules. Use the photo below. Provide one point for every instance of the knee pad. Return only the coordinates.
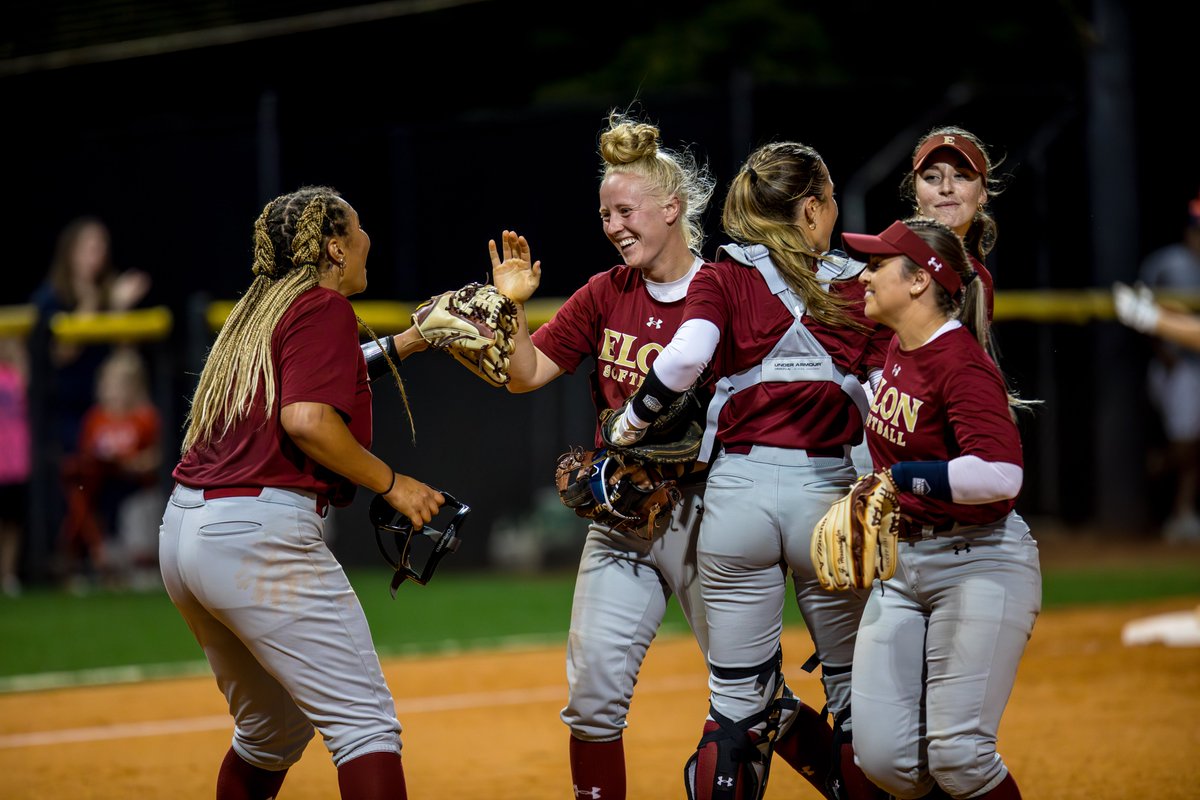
(733, 759)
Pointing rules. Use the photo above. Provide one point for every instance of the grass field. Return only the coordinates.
(54, 638)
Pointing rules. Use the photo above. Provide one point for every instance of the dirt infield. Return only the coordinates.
(1089, 718)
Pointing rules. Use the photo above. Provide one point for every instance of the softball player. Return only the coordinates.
(279, 428)
(651, 202)
(785, 332)
(951, 179)
(940, 641)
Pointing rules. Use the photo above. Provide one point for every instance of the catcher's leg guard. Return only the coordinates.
(733, 759)
(728, 763)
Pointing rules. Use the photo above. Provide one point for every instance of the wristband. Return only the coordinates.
(390, 485)
(923, 478)
(652, 398)
(377, 356)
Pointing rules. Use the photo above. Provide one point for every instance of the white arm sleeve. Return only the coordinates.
(974, 481)
(683, 360)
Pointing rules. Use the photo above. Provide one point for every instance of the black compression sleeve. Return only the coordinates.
(652, 398)
(374, 354)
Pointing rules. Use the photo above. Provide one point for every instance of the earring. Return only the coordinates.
(812, 226)
(341, 265)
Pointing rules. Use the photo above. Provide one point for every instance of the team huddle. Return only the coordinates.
(728, 398)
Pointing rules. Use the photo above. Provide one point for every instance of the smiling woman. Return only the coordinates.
(788, 342)
(280, 429)
(952, 179)
(651, 201)
(941, 639)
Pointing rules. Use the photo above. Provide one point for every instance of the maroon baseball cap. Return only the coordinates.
(899, 240)
(960, 144)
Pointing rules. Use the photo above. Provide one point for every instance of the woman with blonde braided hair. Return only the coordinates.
(780, 323)
(279, 429)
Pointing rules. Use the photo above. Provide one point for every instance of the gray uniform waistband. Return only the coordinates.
(785, 456)
(189, 497)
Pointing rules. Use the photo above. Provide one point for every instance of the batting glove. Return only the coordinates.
(1135, 307)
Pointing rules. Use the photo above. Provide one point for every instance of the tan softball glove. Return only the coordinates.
(856, 541)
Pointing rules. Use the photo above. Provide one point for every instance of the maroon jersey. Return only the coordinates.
(799, 414)
(317, 359)
(943, 400)
(614, 320)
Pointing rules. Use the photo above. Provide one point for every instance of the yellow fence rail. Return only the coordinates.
(1066, 306)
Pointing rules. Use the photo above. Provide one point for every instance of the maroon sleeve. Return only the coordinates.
(570, 336)
(977, 410)
(318, 355)
(705, 300)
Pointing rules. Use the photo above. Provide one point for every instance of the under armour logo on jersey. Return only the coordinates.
(895, 370)
(652, 322)
(937, 265)
(725, 781)
(965, 546)
(593, 793)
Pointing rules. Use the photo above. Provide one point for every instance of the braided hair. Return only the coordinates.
(289, 256)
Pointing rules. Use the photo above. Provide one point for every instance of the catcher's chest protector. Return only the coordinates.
(797, 356)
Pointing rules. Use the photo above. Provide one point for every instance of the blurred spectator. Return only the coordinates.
(14, 460)
(81, 278)
(1174, 372)
(113, 500)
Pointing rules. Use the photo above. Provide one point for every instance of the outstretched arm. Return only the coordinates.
(1137, 308)
(517, 277)
(397, 348)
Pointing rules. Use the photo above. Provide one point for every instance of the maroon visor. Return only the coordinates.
(960, 144)
(899, 240)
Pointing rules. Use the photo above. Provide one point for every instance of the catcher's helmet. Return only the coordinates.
(387, 519)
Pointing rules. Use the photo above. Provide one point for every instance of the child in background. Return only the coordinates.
(14, 459)
(116, 472)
